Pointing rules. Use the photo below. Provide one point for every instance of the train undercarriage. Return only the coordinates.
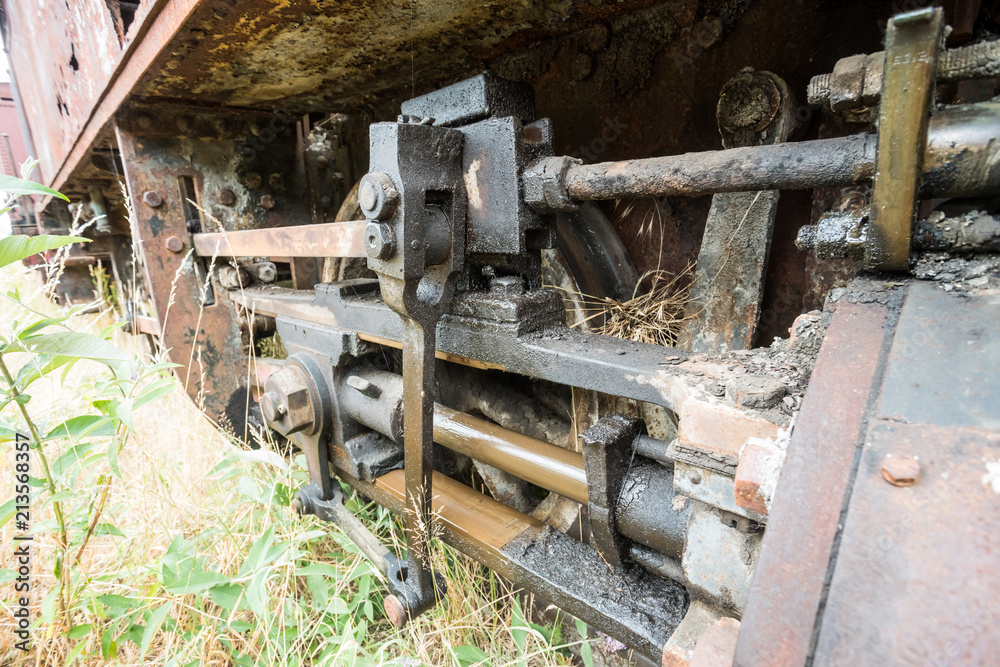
(679, 315)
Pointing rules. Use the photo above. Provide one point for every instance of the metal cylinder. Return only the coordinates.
(374, 398)
(646, 511)
(536, 461)
(789, 166)
(961, 159)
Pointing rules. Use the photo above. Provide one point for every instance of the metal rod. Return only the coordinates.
(334, 239)
(960, 150)
(536, 461)
(792, 166)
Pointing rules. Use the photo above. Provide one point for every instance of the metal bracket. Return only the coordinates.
(607, 451)
(913, 41)
(417, 199)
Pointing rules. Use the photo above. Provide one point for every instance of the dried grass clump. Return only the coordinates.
(656, 316)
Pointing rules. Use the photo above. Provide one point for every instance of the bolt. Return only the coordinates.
(380, 241)
(174, 244)
(377, 196)
(708, 31)
(265, 272)
(901, 470)
(152, 198)
(271, 407)
(267, 202)
(226, 197)
(694, 477)
(322, 161)
(325, 201)
(276, 181)
(145, 121)
(252, 180)
(395, 611)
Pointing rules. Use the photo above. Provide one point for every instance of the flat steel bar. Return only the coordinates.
(912, 44)
(333, 239)
(147, 325)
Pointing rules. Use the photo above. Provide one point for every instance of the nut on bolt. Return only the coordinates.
(287, 404)
(395, 611)
(152, 198)
(380, 241)
(377, 196)
(226, 197)
(174, 244)
(901, 470)
(272, 408)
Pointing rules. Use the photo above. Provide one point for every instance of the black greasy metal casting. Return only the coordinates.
(422, 164)
(607, 455)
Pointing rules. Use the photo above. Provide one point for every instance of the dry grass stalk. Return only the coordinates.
(656, 316)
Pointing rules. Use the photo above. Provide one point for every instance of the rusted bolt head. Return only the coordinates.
(325, 201)
(174, 244)
(377, 196)
(271, 407)
(265, 272)
(395, 611)
(276, 180)
(322, 161)
(267, 202)
(901, 470)
(145, 121)
(287, 404)
(152, 198)
(252, 180)
(708, 31)
(380, 241)
(226, 197)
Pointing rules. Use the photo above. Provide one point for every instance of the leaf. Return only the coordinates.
(75, 653)
(469, 655)
(16, 248)
(41, 365)
(198, 581)
(76, 344)
(255, 558)
(154, 391)
(17, 187)
(41, 324)
(78, 631)
(83, 426)
(122, 411)
(152, 627)
(585, 652)
(109, 649)
(227, 596)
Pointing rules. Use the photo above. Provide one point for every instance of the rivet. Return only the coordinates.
(152, 198)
